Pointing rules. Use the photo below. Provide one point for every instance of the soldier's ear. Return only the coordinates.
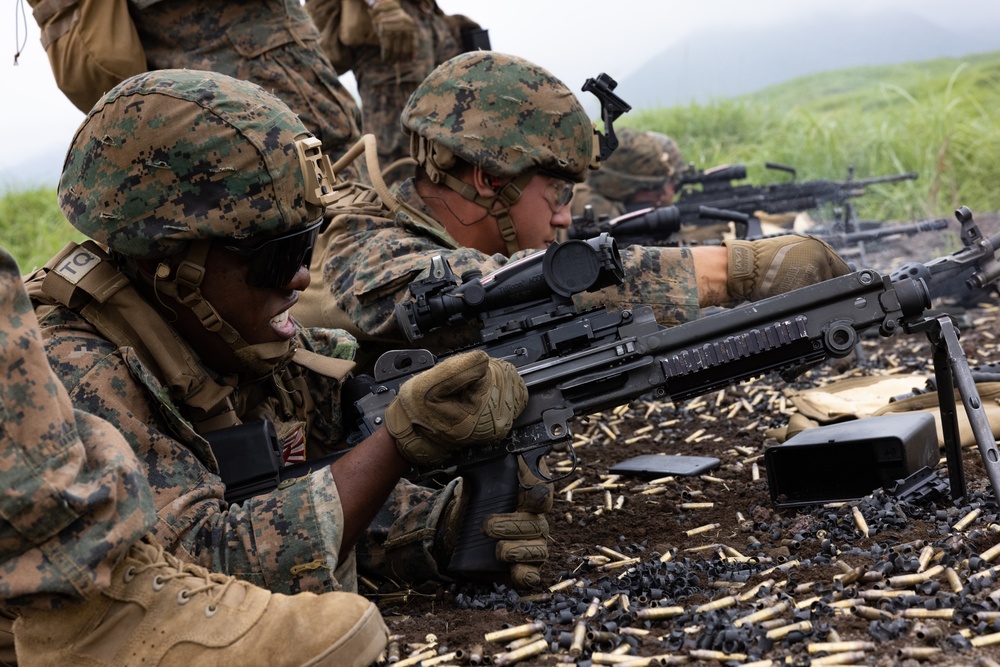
(487, 185)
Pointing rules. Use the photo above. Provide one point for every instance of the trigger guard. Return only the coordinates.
(533, 456)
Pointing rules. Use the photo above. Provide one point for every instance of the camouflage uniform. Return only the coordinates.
(270, 42)
(385, 87)
(219, 158)
(75, 495)
(286, 540)
(368, 263)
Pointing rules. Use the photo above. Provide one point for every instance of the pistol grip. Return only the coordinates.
(492, 488)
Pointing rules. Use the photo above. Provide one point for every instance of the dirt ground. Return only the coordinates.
(705, 552)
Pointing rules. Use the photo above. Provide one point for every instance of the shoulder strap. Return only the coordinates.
(82, 278)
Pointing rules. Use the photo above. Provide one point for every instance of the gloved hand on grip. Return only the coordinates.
(467, 399)
(767, 267)
(524, 533)
(396, 31)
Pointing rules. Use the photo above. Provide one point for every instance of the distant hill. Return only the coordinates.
(722, 64)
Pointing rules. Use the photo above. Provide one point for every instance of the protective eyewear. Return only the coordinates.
(558, 191)
(274, 262)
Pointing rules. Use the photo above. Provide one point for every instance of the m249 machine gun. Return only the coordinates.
(717, 191)
(578, 363)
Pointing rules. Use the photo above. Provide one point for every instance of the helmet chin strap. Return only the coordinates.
(436, 161)
(185, 288)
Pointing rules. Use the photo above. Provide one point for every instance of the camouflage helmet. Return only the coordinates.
(673, 151)
(503, 114)
(173, 156)
(643, 161)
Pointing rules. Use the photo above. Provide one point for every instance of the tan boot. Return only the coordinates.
(159, 611)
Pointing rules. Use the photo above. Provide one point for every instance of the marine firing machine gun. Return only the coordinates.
(580, 362)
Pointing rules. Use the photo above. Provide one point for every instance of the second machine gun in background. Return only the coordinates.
(657, 227)
(717, 191)
(578, 363)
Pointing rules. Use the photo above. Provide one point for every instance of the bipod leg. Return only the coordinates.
(951, 368)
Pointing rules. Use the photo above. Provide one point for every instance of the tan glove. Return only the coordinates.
(396, 31)
(524, 533)
(767, 267)
(465, 400)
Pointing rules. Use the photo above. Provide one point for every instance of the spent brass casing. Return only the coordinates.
(579, 637)
(967, 520)
(524, 641)
(840, 647)
(515, 632)
(779, 633)
(847, 658)
(871, 613)
(986, 640)
(654, 613)
(919, 612)
(904, 580)
(918, 652)
(763, 614)
(701, 529)
(859, 520)
(705, 654)
(416, 658)
(991, 553)
(512, 657)
(721, 603)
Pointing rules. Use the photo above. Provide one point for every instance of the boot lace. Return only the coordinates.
(198, 578)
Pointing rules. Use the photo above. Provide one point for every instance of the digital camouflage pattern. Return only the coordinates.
(171, 156)
(272, 43)
(75, 496)
(503, 114)
(384, 87)
(584, 196)
(669, 146)
(642, 161)
(286, 540)
(368, 262)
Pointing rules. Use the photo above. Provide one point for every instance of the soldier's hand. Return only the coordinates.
(766, 267)
(465, 400)
(396, 31)
(523, 534)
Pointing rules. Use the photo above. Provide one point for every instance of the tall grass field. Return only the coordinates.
(938, 118)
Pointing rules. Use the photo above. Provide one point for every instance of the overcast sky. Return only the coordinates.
(575, 39)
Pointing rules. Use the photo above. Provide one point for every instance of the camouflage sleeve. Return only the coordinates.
(662, 278)
(400, 544)
(370, 262)
(286, 540)
(75, 497)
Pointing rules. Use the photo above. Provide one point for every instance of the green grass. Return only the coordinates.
(32, 228)
(937, 118)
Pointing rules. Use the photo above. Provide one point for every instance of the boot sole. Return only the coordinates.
(360, 646)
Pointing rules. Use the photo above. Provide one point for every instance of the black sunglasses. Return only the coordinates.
(274, 262)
